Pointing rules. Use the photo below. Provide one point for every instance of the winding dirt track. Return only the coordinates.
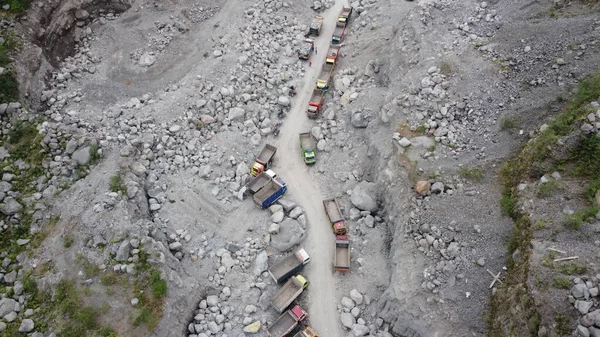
(303, 188)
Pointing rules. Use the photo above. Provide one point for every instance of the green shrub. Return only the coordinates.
(592, 187)
(563, 327)
(159, 286)
(573, 268)
(508, 123)
(446, 68)
(117, 184)
(508, 203)
(68, 241)
(9, 87)
(575, 221)
(561, 282)
(107, 332)
(587, 156)
(94, 154)
(143, 317)
(16, 6)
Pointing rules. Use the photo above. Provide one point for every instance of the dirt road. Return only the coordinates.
(303, 188)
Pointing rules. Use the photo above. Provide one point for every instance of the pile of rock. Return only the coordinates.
(592, 122)
(158, 41)
(200, 13)
(213, 315)
(286, 232)
(440, 243)
(584, 297)
(352, 311)
(13, 302)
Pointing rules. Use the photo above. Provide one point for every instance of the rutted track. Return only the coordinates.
(304, 189)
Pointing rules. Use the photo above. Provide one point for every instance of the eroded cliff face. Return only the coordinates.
(50, 32)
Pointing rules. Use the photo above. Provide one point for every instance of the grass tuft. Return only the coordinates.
(548, 188)
(561, 282)
(472, 174)
(117, 184)
(508, 123)
(575, 221)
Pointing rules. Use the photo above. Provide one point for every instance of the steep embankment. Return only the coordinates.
(552, 191)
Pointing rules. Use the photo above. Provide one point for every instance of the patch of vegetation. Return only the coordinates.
(90, 269)
(109, 279)
(585, 156)
(431, 148)
(446, 68)
(563, 327)
(159, 286)
(117, 184)
(68, 241)
(9, 87)
(151, 307)
(548, 188)
(592, 188)
(106, 332)
(561, 282)
(144, 317)
(575, 221)
(472, 174)
(94, 155)
(508, 123)
(539, 224)
(16, 6)
(508, 202)
(572, 268)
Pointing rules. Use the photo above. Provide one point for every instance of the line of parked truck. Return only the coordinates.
(266, 188)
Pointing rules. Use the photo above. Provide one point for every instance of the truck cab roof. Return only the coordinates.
(303, 255)
(299, 312)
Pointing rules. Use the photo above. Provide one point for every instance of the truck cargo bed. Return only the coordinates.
(342, 256)
(332, 210)
(258, 182)
(307, 141)
(282, 325)
(286, 294)
(284, 266)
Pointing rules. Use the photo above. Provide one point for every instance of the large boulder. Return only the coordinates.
(82, 156)
(11, 206)
(290, 234)
(123, 252)
(260, 263)
(364, 196)
(236, 113)
(7, 305)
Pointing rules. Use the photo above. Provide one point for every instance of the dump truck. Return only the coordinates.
(338, 33)
(342, 253)
(332, 54)
(325, 76)
(315, 103)
(287, 322)
(288, 293)
(260, 181)
(263, 160)
(306, 332)
(269, 193)
(315, 26)
(345, 14)
(308, 145)
(332, 208)
(306, 48)
(289, 266)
